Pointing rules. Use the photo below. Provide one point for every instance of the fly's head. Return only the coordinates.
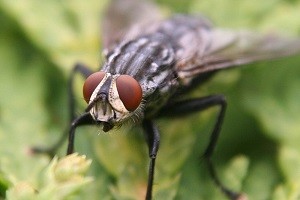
(112, 98)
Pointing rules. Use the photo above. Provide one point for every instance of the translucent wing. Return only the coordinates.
(126, 19)
(200, 48)
(213, 49)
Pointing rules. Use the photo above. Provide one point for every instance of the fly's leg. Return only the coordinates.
(152, 137)
(84, 119)
(85, 72)
(196, 105)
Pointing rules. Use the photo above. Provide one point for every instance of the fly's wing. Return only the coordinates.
(220, 49)
(126, 19)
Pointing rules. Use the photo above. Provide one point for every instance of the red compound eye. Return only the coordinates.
(130, 92)
(90, 84)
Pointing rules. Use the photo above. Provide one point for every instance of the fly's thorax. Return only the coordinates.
(112, 98)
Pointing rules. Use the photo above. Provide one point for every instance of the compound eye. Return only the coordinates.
(130, 92)
(90, 84)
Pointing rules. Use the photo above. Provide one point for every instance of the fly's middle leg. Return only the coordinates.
(152, 137)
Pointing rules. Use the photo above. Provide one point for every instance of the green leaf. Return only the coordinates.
(61, 179)
(40, 42)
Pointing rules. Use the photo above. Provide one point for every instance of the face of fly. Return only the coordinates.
(112, 99)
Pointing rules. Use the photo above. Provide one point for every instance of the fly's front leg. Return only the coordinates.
(196, 105)
(84, 119)
(152, 137)
(85, 72)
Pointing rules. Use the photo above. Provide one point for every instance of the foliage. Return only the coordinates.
(259, 149)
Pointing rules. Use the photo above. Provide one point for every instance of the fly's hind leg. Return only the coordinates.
(85, 72)
(196, 105)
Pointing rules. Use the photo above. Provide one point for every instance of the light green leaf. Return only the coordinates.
(40, 42)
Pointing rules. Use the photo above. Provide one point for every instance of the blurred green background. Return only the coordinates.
(259, 149)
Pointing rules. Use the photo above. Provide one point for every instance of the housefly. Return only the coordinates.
(151, 60)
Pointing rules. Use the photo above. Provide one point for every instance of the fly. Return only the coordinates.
(150, 61)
